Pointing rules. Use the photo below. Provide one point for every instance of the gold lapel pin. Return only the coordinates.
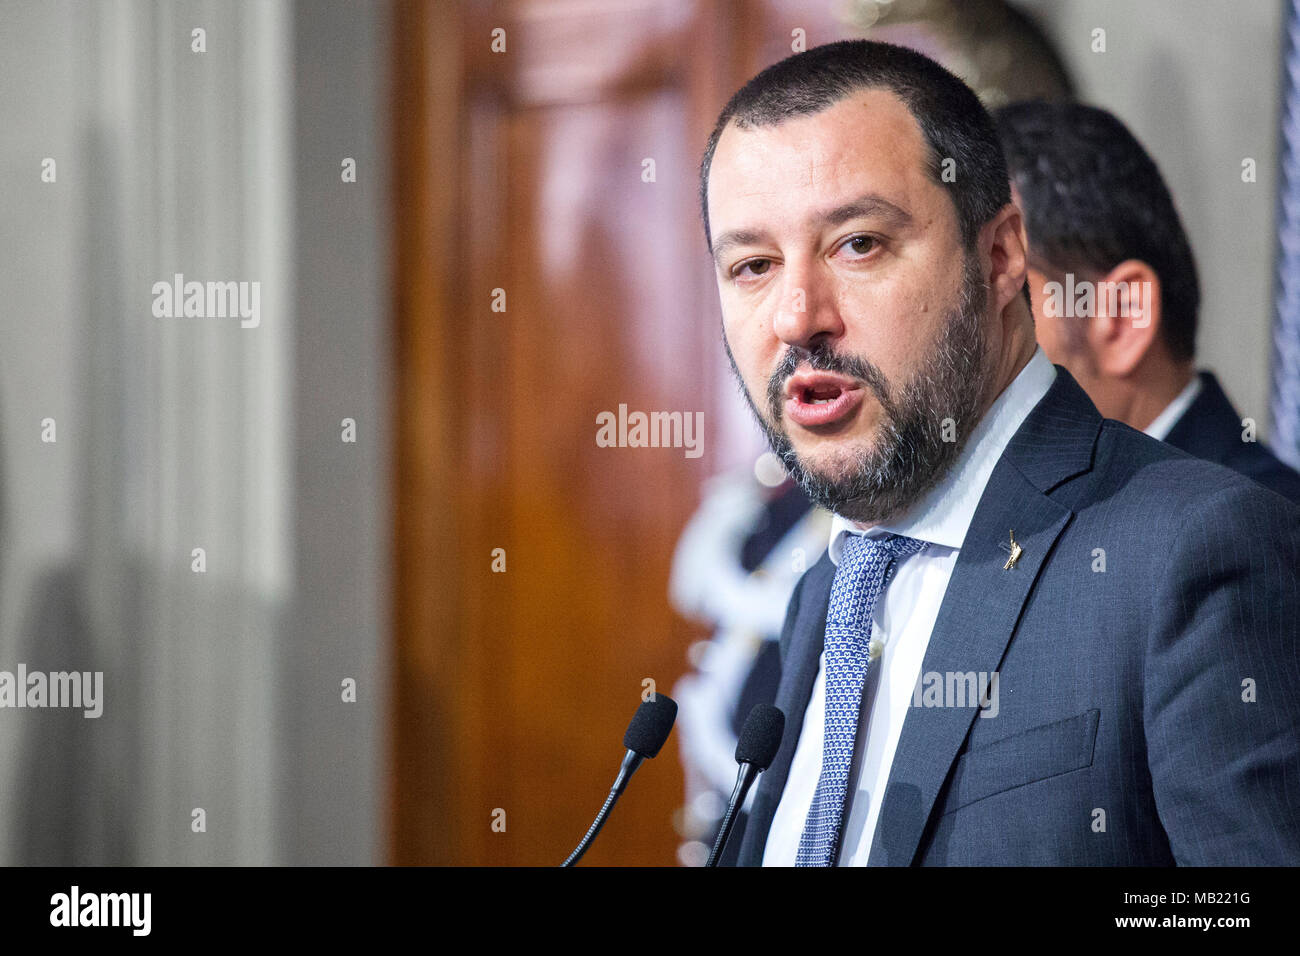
(1016, 552)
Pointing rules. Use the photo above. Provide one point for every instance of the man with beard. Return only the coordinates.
(1037, 636)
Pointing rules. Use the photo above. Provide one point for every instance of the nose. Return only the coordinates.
(808, 307)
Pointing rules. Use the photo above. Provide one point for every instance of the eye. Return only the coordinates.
(861, 245)
(756, 267)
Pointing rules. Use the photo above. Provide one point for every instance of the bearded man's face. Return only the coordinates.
(853, 313)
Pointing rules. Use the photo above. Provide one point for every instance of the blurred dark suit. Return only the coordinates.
(1211, 429)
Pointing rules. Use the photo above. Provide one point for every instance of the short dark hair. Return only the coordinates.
(1093, 197)
(953, 121)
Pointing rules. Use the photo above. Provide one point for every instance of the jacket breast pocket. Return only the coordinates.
(1032, 755)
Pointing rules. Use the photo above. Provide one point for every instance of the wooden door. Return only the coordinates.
(521, 181)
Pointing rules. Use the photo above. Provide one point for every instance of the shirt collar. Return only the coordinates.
(944, 513)
(1166, 420)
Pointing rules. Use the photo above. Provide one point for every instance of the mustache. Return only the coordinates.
(821, 358)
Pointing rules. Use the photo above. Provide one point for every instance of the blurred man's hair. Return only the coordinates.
(1093, 198)
(954, 123)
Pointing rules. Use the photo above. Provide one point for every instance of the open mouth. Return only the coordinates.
(820, 398)
(820, 395)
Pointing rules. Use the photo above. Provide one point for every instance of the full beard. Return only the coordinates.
(909, 455)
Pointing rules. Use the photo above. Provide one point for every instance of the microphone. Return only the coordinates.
(649, 729)
(759, 741)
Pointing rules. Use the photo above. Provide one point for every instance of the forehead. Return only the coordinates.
(868, 142)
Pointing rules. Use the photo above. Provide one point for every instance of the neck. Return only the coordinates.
(1015, 347)
(1147, 392)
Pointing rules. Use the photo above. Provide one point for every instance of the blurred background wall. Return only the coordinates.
(222, 688)
(482, 695)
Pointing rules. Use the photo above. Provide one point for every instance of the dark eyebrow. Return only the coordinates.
(736, 237)
(866, 205)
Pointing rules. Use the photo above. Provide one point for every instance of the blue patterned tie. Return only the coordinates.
(865, 567)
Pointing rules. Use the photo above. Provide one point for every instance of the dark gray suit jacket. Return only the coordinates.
(1211, 429)
(1122, 736)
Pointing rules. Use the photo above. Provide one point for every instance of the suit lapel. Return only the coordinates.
(978, 615)
(976, 620)
(799, 667)
(983, 602)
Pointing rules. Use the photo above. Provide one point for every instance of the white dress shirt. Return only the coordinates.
(903, 618)
(1166, 420)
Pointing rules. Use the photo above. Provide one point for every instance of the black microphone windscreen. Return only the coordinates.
(761, 737)
(651, 725)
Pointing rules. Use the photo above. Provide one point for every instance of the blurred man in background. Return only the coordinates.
(1114, 283)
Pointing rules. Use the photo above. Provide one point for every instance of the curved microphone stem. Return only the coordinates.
(630, 763)
(744, 779)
